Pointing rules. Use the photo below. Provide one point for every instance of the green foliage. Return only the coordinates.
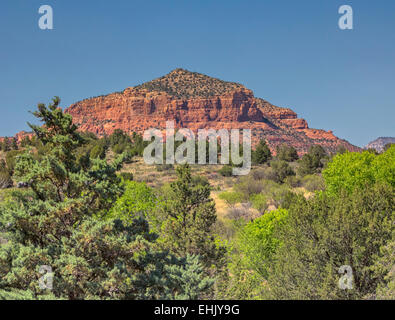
(189, 218)
(231, 198)
(5, 179)
(200, 180)
(98, 152)
(24, 295)
(178, 83)
(127, 176)
(11, 158)
(286, 153)
(327, 232)
(226, 171)
(258, 243)
(313, 183)
(387, 146)
(189, 277)
(384, 269)
(262, 153)
(137, 200)
(293, 181)
(259, 202)
(253, 250)
(264, 173)
(57, 223)
(281, 170)
(360, 170)
(121, 142)
(313, 161)
(248, 187)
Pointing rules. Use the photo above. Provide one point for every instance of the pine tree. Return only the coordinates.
(262, 153)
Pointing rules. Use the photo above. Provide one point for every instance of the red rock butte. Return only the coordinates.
(196, 101)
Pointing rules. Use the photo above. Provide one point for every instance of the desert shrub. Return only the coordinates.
(286, 153)
(313, 183)
(258, 243)
(231, 198)
(253, 249)
(293, 181)
(240, 212)
(199, 180)
(119, 148)
(5, 180)
(11, 158)
(127, 176)
(290, 198)
(248, 187)
(258, 174)
(164, 167)
(226, 171)
(279, 195)
(326, 232)
(137, 200)
(98, 151)
(259, 202)
(281, 170)
(264, 172)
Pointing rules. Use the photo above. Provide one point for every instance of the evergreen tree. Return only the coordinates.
(57, 223)
(313, 161)
(14, 144)
(262, 153)
(286, 153)
(189, 219)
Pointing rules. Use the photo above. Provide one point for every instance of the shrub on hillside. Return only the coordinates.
(286, 153)
(259, 202)
(313, 161)
(281, 170)
(313, 183)
(226, 171)
(5, 180)
(293, 181)
(199, 180)
(265, 172)
(248, 187)
(231, 198)
(127, 176)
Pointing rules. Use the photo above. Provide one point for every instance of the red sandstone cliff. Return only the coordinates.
(197, 101)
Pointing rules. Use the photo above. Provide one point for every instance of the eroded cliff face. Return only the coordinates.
(196, 101)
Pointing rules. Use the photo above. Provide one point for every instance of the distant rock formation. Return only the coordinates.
(380, 143)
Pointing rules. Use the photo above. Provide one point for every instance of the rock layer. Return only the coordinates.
(197, 101)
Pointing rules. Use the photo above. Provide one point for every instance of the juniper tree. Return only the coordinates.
(190, 216)
(58, 222)
(262, 153)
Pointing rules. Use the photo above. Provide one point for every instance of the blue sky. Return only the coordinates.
(289, 52)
